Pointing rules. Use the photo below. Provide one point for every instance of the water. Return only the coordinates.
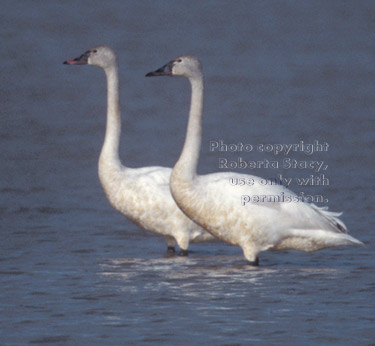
(75, 272)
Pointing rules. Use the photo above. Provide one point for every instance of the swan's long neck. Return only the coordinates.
(110, 150)
(186, 166)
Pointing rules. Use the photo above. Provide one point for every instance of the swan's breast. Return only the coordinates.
(143, 195)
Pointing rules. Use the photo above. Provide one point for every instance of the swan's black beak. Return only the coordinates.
(165, 70)
(81, 60)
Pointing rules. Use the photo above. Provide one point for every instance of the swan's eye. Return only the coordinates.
(95, 50)
(179, 60)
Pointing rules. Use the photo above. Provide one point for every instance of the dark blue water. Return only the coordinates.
(73, 271)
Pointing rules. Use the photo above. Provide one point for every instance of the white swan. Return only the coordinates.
(265, 223)
(141, 194)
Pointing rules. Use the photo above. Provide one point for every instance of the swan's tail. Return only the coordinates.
(317, 239)
(331, 217)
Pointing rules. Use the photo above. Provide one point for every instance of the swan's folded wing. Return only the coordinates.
(254, 197)
(242, 189)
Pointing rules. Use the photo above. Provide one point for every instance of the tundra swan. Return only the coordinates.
(141, 194)
(262, 223)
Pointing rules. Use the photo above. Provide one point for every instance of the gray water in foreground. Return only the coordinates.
(75, 272)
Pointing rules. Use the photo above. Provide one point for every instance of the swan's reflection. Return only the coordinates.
(220, 276)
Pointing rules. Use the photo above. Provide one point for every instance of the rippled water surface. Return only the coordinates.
(75, 272)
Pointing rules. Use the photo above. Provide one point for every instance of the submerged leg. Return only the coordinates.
(171, 252)
(183, 243)
(171, 243)
(251, 254)
(183, 252)
(171, 249)
(254, 263)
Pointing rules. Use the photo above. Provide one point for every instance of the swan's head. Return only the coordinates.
(100, 56)
(186, 66)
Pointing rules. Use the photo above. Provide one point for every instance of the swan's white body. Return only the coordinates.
(141, 194)
(211, 201)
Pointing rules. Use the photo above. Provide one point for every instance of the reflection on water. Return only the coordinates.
(261, 297)
(186, 277)
(178, 269)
